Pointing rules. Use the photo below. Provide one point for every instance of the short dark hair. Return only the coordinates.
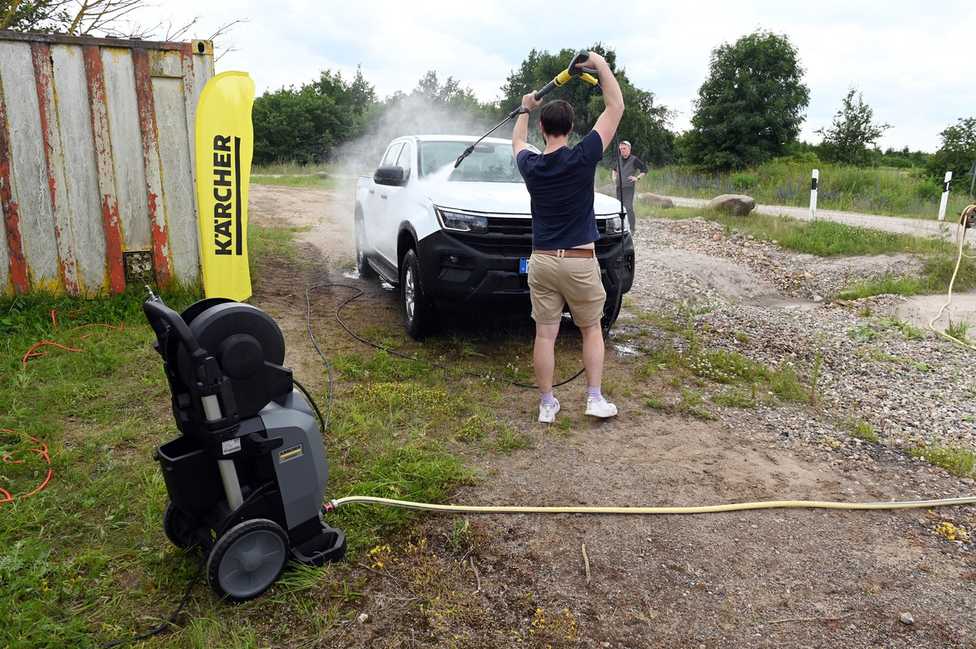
(557, 118)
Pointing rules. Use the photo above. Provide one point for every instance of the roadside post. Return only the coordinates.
(814, 183)
(972, 183)
(945, 195)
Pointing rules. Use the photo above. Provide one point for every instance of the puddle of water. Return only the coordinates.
(625, 349)
(787, 304)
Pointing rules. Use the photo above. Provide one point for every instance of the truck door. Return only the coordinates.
(396, 209)
(378, 233)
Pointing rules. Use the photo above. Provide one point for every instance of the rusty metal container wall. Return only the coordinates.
(96, 161)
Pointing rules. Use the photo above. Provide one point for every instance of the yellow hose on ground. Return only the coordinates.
(690, 509)
(961, 236)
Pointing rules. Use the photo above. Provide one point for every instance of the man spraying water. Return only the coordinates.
(563, 268)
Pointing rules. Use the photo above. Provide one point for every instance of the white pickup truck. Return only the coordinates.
(462, 237)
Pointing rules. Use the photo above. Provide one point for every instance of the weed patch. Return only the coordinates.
(861, 430)
(936, 273)
(957, 461)
(734, 397)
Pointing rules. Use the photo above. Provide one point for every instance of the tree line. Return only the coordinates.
(311, 122)
(749, 110)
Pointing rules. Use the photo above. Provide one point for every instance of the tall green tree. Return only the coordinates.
(853, 134)
(644, 123)
(957, 153)
(751, 105)
(306, 124)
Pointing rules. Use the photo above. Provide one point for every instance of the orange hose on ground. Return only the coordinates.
(41, 450)
(33, 353)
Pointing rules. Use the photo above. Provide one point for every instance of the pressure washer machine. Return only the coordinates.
(246, 478)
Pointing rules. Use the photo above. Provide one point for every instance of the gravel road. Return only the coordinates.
(896, 224)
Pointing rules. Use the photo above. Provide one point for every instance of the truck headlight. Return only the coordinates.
(616, 225)
(462, 222)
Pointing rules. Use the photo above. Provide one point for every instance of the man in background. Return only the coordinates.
(632, 169)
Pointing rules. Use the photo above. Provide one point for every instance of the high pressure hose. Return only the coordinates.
(358, 293)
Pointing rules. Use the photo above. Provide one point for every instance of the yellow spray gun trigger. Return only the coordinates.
(571, 71)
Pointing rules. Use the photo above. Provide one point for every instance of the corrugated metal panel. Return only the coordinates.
(96, 160)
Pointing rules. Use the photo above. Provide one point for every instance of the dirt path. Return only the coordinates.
(761, 579)
(896, 224)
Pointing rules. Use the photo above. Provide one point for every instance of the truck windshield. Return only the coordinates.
(492, 163)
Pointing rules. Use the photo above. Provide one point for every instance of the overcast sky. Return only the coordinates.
(914, 61)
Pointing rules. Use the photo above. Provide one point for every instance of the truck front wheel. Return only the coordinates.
(362, 264)
(416, 308)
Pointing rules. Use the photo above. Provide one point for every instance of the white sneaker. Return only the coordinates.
(600, 407)
(547, 411)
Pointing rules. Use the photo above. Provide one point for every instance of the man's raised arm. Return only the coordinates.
(606, 124)
(520, 133)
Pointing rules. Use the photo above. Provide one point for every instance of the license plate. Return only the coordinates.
(524, 266)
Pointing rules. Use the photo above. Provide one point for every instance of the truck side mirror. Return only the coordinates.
(390, 176)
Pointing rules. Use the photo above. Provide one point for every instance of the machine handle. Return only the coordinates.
(164, 320)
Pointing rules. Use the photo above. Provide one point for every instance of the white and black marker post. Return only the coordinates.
(814, 183)
(945, 195)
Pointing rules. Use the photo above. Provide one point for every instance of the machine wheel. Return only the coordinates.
(416, 308)
(362, 265)
(178, 527)
(247, 559)
(611, 310)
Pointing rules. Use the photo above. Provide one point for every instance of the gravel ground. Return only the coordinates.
(793, 274)
(911, 386)
(896, 224)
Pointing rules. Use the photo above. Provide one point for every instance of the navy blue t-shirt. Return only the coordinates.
(561, 186)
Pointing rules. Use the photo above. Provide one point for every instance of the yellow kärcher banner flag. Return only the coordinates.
(224, 144)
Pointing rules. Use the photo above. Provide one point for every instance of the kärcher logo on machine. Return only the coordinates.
(227, 196)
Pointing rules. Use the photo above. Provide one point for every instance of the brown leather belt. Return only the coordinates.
(569, 252)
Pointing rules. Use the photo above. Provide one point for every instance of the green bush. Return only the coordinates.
(744, 181)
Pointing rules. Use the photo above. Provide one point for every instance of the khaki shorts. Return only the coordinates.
(555, 281)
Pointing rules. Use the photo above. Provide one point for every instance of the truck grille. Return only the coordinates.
(511, 236)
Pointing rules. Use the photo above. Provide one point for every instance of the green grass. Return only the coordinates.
(272, 243)
(936, 273)
(293, 174)
(294, 169)
(861, 430)
(735, 397)
(957, 461)
(311, 182)
(749, 382)
(85, 561)
(881, 327)
(692, 403)
(958, 330)
(874, 190)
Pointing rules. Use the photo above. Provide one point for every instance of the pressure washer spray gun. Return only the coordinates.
(572, 71)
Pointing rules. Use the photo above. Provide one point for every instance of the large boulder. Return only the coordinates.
(655, 200)
(735, 204)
